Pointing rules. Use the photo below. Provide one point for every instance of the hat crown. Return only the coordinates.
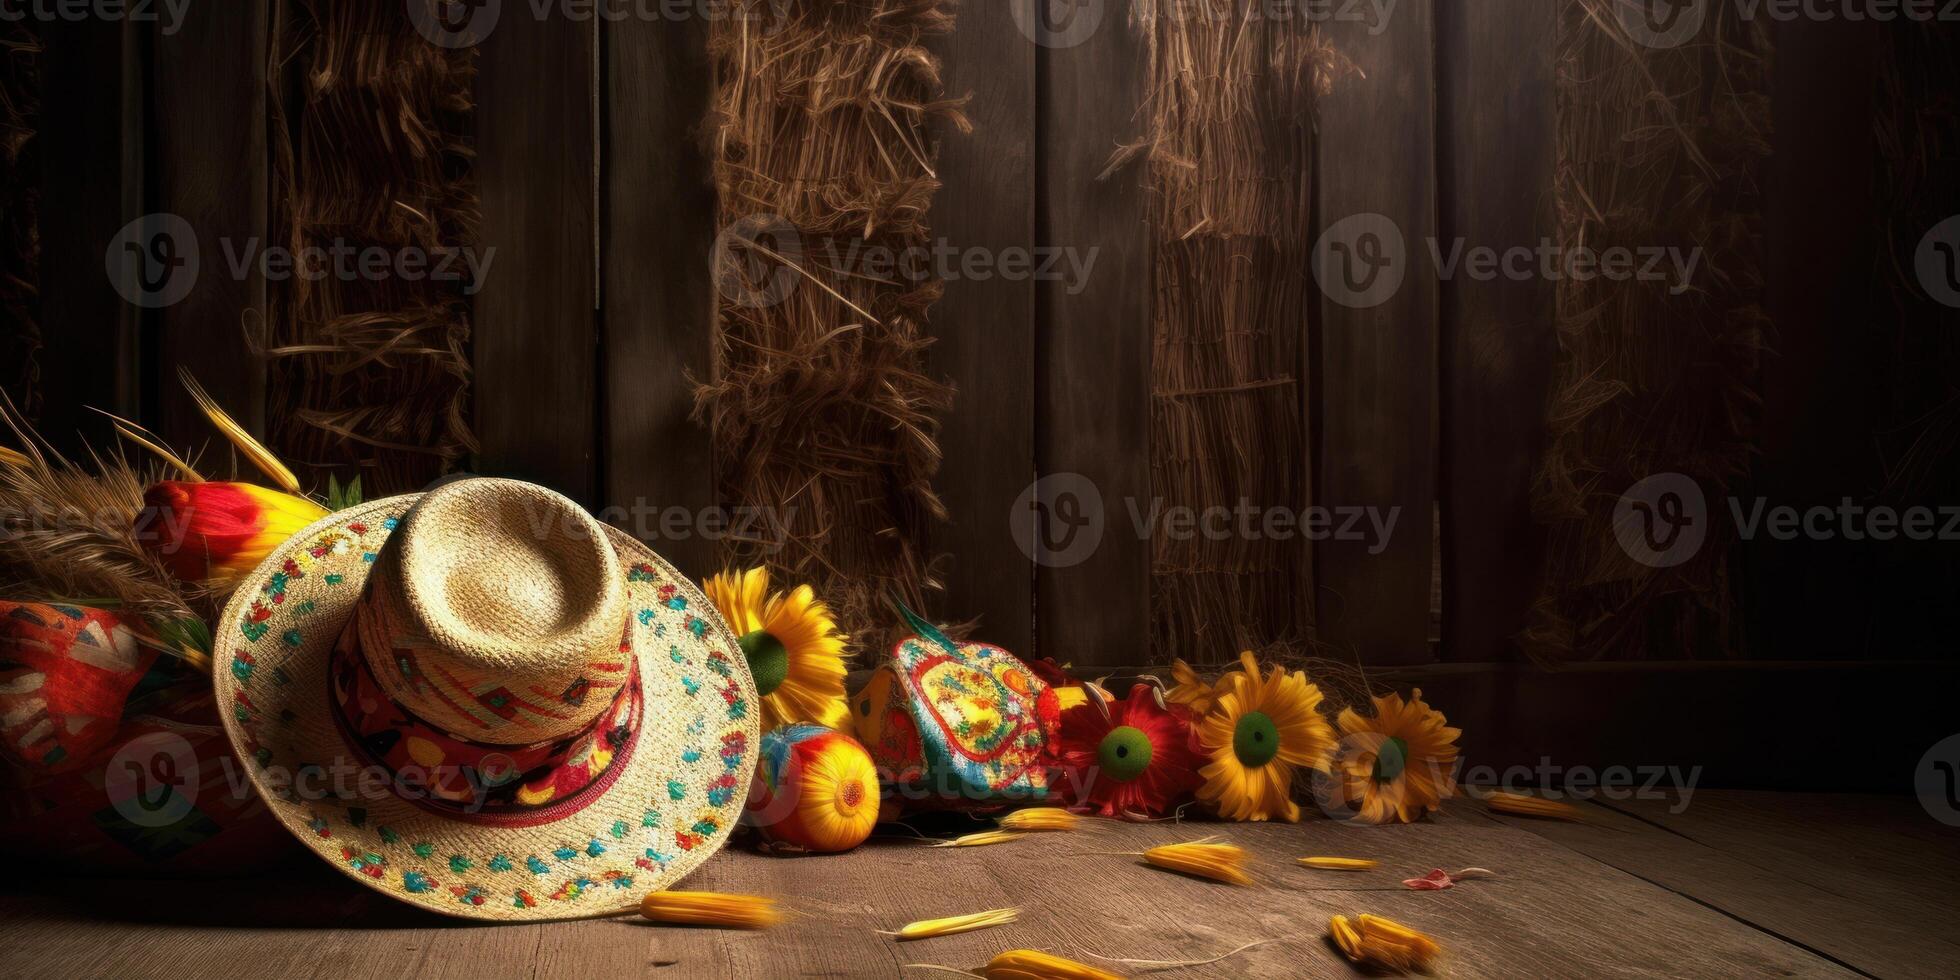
(497, 611)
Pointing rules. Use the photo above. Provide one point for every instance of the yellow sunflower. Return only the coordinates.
(1399, 764)
(1191, 690)
(1259, 731)
(794, 650)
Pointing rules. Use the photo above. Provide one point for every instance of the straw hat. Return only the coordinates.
(481, 701)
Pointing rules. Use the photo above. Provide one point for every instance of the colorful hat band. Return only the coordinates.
(497, 785)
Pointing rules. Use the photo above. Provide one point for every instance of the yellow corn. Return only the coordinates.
(1345, 937)
(1219, 862)
(980, 839)
(1031, 964)
(1383, 944)
(711, 909)
(1531, 806)
(1339, 864)
(954, 925)
(1039, 819)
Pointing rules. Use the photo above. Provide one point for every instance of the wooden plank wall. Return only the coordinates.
(1496, 127)
(984, 329)
(1092, 344)
(1378, 362)
(536, 333)
(209, 169)
(657, 219)
(599, 307)
(92, 110)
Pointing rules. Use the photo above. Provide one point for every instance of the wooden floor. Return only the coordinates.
(1737, 884)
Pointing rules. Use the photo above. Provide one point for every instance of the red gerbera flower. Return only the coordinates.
(1133, 758)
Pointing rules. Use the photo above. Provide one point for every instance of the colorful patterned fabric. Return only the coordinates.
(65, 672)
(980, 723)
(483, 783)
(162, 795)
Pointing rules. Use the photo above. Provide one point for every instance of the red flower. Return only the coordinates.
(1136, 760)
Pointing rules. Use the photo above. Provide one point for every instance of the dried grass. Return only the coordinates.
(1229, 148)
(820, 406)
(68, 535)
(1655, 148)
(370, 129)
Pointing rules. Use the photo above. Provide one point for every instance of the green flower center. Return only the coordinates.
(768, 661)
(1124, 754)
(1256, 739)
(1391, 760)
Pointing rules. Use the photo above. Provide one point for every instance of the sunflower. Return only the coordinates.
(1399, 764)
(1191, 691)
(1259, 731)
(794, 650)
(1131, 758)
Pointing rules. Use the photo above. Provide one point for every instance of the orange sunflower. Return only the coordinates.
(1260, 730)
(1399, 764)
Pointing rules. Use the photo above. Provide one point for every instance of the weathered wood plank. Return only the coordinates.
(1550, 912)
(985, 327)
(91, 111)
(210, 170)
(1092, 346)
(1783, 871)
(658, 323)
(1378, 335)
(1496, 136)
(537, 174)
(1812, 598)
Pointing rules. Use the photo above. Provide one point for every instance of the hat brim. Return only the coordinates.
(677, 799)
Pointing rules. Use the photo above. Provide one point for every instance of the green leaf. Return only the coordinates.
(340, 497)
